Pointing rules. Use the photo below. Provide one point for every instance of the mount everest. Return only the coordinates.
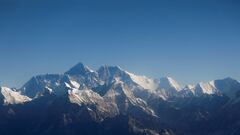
(111, 100)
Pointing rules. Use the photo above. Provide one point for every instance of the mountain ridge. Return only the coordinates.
(111, 95)
(83, 77)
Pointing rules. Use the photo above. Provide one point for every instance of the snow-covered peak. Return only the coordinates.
(13, 97)
(79, 69)
(187, 91)
(189, 87)
(144, 82)
(38, 84)
(228, 86)
(167, 88)
(110, 70)
(205, 88)
(108, 74)
(169, 83)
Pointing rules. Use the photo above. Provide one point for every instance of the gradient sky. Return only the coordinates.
(189, 40)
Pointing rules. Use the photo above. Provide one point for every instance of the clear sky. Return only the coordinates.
(189, 40)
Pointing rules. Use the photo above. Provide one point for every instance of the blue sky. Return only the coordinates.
(190, 40)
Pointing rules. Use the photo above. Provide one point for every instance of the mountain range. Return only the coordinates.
(110, 100)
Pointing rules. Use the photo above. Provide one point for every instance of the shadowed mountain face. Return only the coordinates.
(111, 100)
